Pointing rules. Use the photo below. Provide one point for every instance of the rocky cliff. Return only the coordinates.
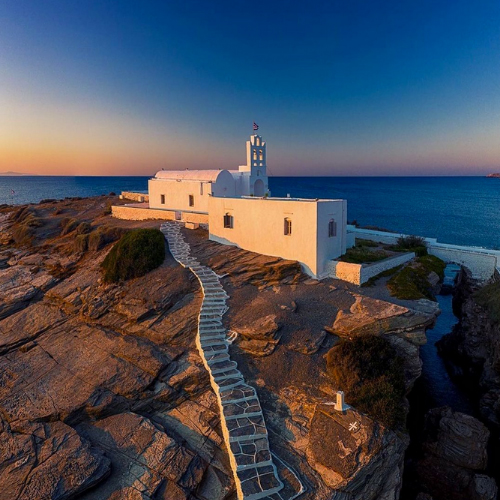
(103, 394)
(472, 350)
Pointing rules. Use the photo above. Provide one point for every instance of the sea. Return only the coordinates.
(457, 210)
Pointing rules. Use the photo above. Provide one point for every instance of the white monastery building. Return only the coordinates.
(240, 211)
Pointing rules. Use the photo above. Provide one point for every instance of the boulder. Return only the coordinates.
(259, 338)
(368, 315)
(454, 457)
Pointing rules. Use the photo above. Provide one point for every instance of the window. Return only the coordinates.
(288, 226)
(261, 155)
(254, 154)
(228, 221)
(257, 141)
(332, 228)
(163, 199)
(191, 200)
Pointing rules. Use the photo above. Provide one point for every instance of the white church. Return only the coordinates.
(239, 210)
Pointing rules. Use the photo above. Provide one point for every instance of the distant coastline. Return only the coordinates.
(15, 174)
(494, 175)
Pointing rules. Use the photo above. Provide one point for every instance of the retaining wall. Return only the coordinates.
(361, 273)
(143, 212)
(139, 197)
(482, 262)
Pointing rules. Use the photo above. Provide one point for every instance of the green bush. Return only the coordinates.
(410, 241)
(138, 252)
(371, 374)
(361, 242)
(362, 255)
(489, 298)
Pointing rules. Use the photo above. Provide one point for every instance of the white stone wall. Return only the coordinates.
(345, 271)
(482, 262)
(258, 226)
(361, 273)
(177, 192)
(370, 270)
(481, 265)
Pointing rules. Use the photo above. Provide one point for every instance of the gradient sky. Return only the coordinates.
(338, 88)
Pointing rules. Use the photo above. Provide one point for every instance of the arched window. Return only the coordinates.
(332, 228)
(257, 141)
(261, 156)
(254, 154)
(288, 226)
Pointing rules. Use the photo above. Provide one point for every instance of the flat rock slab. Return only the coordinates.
(49, 460)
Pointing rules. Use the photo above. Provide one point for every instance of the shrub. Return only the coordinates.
(104, 235)
(81, 243)
(410, 242)
(138, 252)
(371, 374)
(361, 255)
(68, 225)
(107, 209)
(25, 223)
(361, 242)
(83, 228)
(489, 298)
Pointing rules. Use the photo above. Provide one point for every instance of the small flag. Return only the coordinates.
(255, 126)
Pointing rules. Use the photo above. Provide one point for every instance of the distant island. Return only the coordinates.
(13, 174)
(494, 175)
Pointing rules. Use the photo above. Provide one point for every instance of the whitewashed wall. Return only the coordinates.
(177, 192)
(259, 227)
(482, 262)
(361, 273)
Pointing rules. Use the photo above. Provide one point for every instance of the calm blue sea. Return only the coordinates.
(460, 210)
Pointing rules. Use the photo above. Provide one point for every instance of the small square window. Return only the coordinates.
(191, 200)
(228, 221)
(288, 226)
(332, 228)
(163, 199)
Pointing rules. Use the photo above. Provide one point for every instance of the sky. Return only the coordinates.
(106, 87)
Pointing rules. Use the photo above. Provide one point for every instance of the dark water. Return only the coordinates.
(459, 210)
(435, 387)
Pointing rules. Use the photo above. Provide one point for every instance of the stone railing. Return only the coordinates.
(242, 420)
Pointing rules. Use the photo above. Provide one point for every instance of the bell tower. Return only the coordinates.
(256, 169)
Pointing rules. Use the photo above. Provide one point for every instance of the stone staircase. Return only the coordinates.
(243, 424)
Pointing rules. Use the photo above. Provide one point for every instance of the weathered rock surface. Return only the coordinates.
(144, 459)
(107, 380)
(454, 447)
(260, 337)
(47, 460)
(473, 350)
(404, 328)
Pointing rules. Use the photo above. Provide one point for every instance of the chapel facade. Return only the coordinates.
(239, 210)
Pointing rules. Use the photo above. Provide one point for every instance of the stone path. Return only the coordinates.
(242, 420)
